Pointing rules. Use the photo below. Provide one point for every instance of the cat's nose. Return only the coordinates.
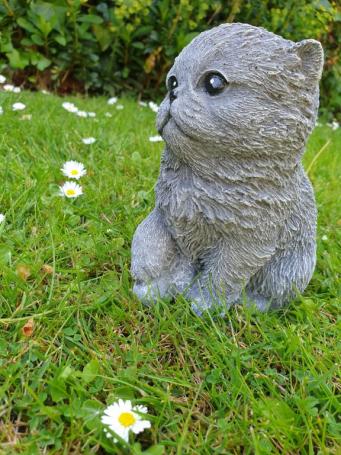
(172, 96)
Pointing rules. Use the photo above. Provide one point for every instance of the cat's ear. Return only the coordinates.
(310, 52)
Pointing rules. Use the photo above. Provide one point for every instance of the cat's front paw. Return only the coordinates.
(144, 293)
(152, 291)
(261, 303)
(201, 299)
(207, 298)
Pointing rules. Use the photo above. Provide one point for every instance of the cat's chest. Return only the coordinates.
(194, 205)
(178, 197)
(188, 199)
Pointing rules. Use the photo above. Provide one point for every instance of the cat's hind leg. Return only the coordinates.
(285, 276)
(290, 269)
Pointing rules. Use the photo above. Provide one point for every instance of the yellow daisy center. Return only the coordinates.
(74, 172)
(127, 419)
(70, 192)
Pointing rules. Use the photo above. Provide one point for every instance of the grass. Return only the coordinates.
(73, 338)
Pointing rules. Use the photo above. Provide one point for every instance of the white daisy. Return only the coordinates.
(16, 90)
(335, 125)
(2, 79)
(26, 117)
(82, 114)
(155, 139)
(70, 107)
(91, 114)
(73, 169)
(107, 114)
(121, 417)
(119, 107)
(112, 100)
(2, 218)
(71, 190)
(8, 87)
(1, 110)
(18, 106)
(88, 140)
(153, 106)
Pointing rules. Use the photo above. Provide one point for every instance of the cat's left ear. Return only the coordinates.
(310, 52)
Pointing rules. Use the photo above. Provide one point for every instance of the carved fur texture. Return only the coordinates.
(235, 214)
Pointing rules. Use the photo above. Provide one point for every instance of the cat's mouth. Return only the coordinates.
(166, 120)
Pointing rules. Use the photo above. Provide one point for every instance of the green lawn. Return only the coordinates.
(248, 384)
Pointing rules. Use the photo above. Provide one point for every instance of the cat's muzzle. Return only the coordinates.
(163, 115)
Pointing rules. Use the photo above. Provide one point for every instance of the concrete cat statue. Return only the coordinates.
(235, 215)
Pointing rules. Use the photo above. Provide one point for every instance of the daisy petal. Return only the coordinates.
(155, 139)
(18, 106)
(153, 106)
(8, 87)
(140, 425)
(107, 420)
(112, 409)
(70, 107)
(112, 100)
(89, 140)
(141, 409)
(125, 406)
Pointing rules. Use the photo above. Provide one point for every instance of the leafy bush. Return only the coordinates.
(129, 45)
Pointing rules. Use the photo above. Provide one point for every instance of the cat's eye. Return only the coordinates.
(215, 83)
(172, 83)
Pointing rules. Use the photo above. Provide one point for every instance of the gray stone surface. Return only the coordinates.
(235, 215)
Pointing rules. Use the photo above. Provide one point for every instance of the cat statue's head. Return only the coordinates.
(239, 90)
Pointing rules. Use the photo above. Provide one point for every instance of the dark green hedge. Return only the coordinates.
(128, 45)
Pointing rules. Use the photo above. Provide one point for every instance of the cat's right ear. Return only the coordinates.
(310, 53)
